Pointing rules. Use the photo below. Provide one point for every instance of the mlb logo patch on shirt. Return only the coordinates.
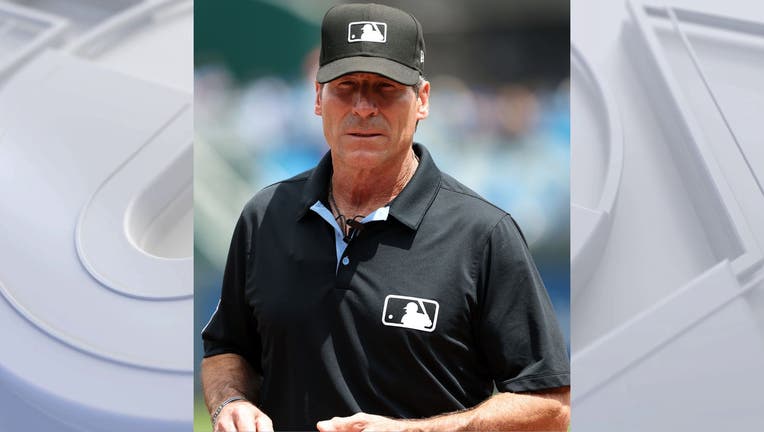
(367, 31)
(410, 312)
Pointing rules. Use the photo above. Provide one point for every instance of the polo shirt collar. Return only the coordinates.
(412, 203)
(409, 207)
(317, 186)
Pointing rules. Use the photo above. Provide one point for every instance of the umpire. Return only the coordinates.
(375, 292)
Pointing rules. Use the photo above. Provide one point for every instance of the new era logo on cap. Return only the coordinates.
(367, 31)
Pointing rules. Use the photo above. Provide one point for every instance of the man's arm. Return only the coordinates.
(548, 411)
(229, 375)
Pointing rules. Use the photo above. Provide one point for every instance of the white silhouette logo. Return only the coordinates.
(367, 31)
(410, 312)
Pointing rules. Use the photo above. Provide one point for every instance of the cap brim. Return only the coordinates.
(378, 65)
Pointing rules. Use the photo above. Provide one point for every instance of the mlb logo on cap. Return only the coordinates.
(367, 31)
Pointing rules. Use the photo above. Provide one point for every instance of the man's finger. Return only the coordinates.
(324, 426)
(331, 425)
(264, 423)
(341, 424)
(225, 424)
(244, 420)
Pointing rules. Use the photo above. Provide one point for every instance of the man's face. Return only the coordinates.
(369, 120)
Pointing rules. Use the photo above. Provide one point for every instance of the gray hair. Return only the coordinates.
(418, 85)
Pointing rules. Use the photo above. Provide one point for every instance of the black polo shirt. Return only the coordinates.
(431, 307)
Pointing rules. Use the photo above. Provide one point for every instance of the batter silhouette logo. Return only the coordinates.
(367, 31)
(410, 312)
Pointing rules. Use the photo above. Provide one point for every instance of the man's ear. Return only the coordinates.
(317, 107)
(423, 101)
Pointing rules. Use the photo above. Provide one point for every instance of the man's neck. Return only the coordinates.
(361, 191)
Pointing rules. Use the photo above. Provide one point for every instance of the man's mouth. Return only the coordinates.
(365, 135)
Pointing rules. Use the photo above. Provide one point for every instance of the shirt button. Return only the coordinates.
(345, 261)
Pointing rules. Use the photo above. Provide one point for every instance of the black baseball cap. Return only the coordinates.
(371, 38)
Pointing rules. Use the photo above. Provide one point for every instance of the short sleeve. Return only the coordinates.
(231, 329)
(517, 329)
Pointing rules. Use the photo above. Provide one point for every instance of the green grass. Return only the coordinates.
(201, 417)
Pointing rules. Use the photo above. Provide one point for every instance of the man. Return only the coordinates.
(415, 319)
(310, 330)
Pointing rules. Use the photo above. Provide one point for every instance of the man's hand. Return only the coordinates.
(547, 411)
(363, 422)
(242, 416)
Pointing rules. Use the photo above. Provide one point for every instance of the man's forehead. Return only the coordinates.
(365, 76)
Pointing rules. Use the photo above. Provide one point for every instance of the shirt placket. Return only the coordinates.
(343, 250)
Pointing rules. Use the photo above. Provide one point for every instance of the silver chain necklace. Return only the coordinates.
(349, 223)
(344, 223)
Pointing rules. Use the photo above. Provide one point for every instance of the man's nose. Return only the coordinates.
(364, 104)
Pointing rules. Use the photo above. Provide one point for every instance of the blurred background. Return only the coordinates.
(499, 119)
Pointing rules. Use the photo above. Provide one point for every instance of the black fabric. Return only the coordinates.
(397, 52)
(321, 340)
